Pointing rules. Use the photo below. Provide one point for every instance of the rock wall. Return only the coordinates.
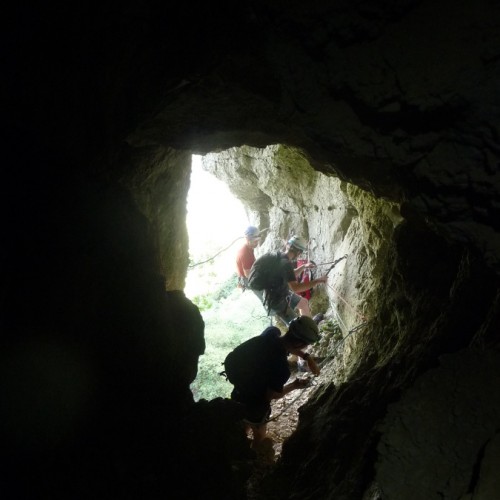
(433, 440)
(411, 288)
(158, 179)
(287, 196)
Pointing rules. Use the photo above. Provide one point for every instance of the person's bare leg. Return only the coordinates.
(259, 433)
(303, 307)
(248, 431)
(263, 444)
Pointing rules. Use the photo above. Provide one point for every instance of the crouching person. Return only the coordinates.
(259, 370)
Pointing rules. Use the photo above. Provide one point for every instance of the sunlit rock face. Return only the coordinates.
(286, 196)
(403, 296)
(388, 113)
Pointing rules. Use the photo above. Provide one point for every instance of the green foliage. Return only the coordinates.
(226, 289)
(234, 317)
(330, 327)
(204, 302)
(319, 302)
(209, 384)
(331, 335)
(207, 301)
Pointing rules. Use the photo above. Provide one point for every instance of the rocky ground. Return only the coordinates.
(244, 313)
(283, 421)
(284, 416)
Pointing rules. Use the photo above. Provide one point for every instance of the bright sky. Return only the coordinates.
(215, 218)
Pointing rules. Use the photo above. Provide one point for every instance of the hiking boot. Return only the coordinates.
(318, 317)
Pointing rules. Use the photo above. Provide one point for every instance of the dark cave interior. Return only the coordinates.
(105, 104)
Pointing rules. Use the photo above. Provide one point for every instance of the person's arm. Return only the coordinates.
(298, 270)
(239, 267)
(302, 267)
(311, 363)
(302, 287)
(291, 386)
(297, 287)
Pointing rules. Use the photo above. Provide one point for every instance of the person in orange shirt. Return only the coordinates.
(245, 257)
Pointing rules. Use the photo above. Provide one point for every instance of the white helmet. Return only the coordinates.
(298, 243)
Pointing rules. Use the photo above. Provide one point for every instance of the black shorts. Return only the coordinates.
(256, 410)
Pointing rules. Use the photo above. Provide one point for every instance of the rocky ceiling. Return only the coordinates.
(104, 104)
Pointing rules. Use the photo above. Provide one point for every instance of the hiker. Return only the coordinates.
(281, 297)
(245, 256)
(259, 370)
(294, 248)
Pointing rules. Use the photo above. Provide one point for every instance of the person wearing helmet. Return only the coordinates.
(264, 373)
(245, 257)
(287, 300)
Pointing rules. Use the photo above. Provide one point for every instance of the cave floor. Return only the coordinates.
(283, 422)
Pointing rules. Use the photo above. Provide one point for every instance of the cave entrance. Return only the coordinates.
(215, 221)
(281, 191)
(278, 188)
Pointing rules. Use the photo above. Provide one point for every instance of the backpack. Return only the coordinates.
(266, 272)
(239, 369)
(235, 368)
(246, 365)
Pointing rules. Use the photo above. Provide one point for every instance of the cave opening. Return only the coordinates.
(215, 223)
(216, 220)
(344, 226)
